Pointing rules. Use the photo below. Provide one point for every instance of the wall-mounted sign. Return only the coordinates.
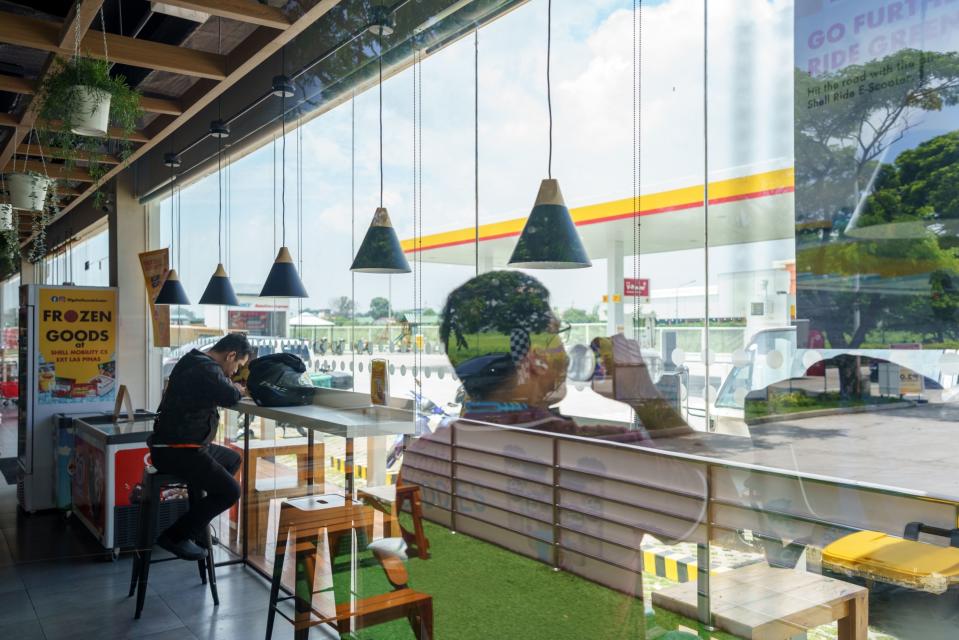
(636, 287)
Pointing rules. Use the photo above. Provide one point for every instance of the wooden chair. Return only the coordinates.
(259, 496)
(301, 521)
(389, 500)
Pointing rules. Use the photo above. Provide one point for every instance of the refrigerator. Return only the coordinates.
(67, 345)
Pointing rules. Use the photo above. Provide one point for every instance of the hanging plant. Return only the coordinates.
(28, 190)
(79, 102)
(9, 241)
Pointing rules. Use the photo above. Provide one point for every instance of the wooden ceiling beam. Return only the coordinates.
(57, 171)
(241, 10)
(238, 69)
(78, 20)
(35, 151)
(35, 33)
(25, 86)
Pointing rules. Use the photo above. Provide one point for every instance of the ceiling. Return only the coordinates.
(187, 70)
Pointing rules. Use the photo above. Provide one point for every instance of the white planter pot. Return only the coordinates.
(6, 217)
(27, 191)
(93, 111)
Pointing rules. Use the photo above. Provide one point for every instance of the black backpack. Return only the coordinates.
(279, 380)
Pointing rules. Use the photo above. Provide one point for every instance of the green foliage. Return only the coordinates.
(379, 308)
(60, 104)
(9, 252)
(574, 315)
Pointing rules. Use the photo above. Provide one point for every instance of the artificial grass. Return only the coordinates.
(481, 591)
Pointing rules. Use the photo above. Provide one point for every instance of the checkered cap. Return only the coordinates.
(518, 345)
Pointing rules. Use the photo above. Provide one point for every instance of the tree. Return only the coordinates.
(379, 308)
(574, 315)
(341, 307)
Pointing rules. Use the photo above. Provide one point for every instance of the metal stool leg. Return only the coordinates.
(279, 554)
(153, 497)
(211, 571)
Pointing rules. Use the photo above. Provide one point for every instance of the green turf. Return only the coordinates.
(481, 592)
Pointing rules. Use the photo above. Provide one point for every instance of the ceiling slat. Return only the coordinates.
(241, 10)
(78, 19)
(238, 69)
(40, 34)
(32, 150)
(25, 86)
(58, 171)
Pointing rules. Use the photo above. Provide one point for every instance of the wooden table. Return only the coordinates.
(765, 603)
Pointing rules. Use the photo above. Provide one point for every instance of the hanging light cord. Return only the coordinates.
(549, 91)
(283, 158)
(476, 149)
(381, 118)
(219, 165)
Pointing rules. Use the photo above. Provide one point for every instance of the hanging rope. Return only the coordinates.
(381, 116)
(637, 153)
(103, 31)
(76, 32)
(283, 160)
(476, 149)
(549, 91)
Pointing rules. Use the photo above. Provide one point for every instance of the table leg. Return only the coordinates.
(348, 469)
(855, 625)
(309, 460)
(245, 495)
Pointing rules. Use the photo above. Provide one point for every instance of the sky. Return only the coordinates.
(749, 117)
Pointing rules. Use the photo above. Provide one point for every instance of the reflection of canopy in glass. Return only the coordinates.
(905, 230)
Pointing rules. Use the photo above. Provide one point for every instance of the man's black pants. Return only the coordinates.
(209, 469)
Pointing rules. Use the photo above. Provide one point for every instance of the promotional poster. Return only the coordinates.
(877, 196)
(77, 344)
(155, 265)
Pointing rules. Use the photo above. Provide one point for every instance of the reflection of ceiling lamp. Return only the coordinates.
(283, 281)
(380, 251)
(382, 22)
(219, 290)
(171, 160)
(549, 239)
(282, 87)
(219, 129)
(172, 291)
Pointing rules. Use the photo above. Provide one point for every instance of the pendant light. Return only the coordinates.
(380, 251)
(172, 291)
(283, 281)
(549, 239)
(219, 290)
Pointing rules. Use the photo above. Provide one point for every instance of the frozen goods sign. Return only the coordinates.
(77, 338)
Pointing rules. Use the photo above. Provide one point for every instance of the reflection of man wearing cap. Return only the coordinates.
(505, 344)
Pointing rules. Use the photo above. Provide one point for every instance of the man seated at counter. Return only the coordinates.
(181, 443)
(505, 344)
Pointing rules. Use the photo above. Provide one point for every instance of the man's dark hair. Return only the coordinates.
(478, 319)
(233, 342)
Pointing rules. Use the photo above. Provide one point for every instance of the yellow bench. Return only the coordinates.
(902, 561)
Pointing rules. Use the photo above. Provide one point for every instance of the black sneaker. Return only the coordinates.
(205, 540)
(185, 549)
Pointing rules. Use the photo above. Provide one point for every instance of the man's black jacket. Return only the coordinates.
(188, 411)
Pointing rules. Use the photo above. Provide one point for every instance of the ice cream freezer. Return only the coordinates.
(109, 460)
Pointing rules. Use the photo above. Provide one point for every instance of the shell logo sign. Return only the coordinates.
(77, 339)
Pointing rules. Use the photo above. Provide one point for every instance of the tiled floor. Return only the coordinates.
(55, 583)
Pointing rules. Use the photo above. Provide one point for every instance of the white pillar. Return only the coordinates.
(615, 322)
(134, 228)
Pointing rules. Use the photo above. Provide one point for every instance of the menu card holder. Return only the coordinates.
(123, 399)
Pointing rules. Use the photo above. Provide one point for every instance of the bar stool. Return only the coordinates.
(301, 522)
(389, 500)
(147, 525)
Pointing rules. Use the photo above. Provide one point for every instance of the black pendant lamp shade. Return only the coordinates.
(549, 239)
(283, 280)
(172, 291)
(283, 87)
(219, 129)
(219, 290)
(380, 251)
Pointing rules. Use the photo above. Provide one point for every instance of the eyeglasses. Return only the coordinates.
(563, 333)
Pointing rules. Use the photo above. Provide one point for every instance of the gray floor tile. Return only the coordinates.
(239, 591)
(15, 606)
(65, 572)
(248, 626)
(180, 633)
(10, 580)
(27, 630)
(112, 619)
(73, 596)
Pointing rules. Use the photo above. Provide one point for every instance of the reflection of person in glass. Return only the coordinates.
(506, 345)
